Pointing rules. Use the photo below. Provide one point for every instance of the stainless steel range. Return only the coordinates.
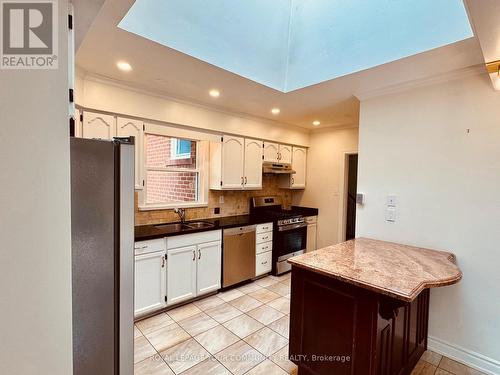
(290, 230)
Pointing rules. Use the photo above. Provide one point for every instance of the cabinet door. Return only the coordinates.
(311, 237)
(233, 152)
(133, 128)
(78, 123)
(298, 180)
(150, 282)
(253, 164)
(271, 152)
(208, 267)
(285, 154)
(181, 274)
(98, 125)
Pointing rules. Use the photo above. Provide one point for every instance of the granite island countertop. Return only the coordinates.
(399, 271)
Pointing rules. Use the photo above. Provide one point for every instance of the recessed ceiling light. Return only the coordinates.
(214, 93)
(124, 66)
(275, 111)
(316, 123)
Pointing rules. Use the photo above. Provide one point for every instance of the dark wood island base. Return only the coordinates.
(361, 307)
(340, 329)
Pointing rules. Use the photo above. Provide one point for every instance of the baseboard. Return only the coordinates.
(465, 356)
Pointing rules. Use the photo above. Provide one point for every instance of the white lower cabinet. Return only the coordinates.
(312, 223)
(263, 248)
(193, 265)
(150, 282)
(208, 272)
(181, 274)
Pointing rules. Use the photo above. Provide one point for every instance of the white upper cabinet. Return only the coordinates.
(285, 154)
(208, 267)
(235, 164)
(276, 153)
(298, 179)
(271, 152)
(299, 166)
(98, 125)
(133, 128)
(233, 155)
(253, 164)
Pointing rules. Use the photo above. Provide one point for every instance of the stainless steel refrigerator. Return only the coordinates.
(102, 224)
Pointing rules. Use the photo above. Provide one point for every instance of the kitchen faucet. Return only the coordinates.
(182, 214)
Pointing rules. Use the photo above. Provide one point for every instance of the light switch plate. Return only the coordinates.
(221, 199)
(391, 200)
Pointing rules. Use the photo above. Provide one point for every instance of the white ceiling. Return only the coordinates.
(163, 70)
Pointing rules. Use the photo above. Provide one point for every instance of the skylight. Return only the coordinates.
(291, 44)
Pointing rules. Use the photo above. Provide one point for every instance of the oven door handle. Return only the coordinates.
(291, 227)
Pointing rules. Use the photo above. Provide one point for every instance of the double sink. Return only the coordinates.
(185, 226)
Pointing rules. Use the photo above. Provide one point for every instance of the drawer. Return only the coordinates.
(263, 228)
(184, 240)
(263, 263)
(150, 246)
(264, 237)
(263, 247)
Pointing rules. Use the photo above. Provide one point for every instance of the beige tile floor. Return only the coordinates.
(241, 331)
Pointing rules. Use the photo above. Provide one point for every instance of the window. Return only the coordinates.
(173, 173)
(180, 148)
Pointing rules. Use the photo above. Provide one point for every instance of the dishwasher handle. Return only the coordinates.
(239, 230)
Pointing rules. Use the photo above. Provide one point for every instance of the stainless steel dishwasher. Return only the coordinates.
(238, 259)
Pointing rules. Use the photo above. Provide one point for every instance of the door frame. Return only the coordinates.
(344, 179)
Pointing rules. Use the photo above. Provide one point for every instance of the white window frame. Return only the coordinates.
(173, 150)
(202, 170)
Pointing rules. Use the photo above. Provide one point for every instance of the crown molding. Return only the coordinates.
(93, 77)
(428, 81)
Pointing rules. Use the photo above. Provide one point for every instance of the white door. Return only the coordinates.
(311, 237)
(209, 267)
(133, 128)
(298, 179)
(233, 153)
(253, 164)
(181, 274)
(285, 154)
(98, 125)
(271, 152)
(150, 282)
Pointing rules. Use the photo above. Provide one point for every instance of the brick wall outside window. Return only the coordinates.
(169, 186)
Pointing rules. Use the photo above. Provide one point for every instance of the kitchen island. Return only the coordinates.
(362, 307)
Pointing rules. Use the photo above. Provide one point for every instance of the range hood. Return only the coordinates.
(277, 168)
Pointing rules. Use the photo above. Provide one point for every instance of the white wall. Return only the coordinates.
(324, 178)
(108, 96)
(415, 145)
(35, 266)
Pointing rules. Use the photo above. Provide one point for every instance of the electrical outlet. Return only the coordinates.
(390, 215)
(221, 199)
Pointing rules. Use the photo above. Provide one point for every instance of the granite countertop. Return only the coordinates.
(399, 271)
(151, 231)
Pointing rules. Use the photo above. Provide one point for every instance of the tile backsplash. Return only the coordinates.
(235, 203)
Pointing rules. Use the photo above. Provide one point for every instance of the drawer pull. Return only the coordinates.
(265, 238)
(264, 262)
(141, 247)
